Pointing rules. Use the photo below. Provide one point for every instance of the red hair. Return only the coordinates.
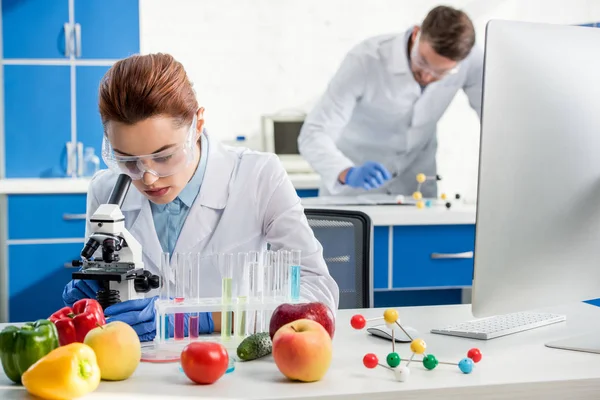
(144, 86)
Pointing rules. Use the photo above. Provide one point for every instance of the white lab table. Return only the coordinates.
(80, 185)
(398, 215)
(515, 366)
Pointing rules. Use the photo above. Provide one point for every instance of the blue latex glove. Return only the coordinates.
(140, 314)
(78, 289)
(370, 175)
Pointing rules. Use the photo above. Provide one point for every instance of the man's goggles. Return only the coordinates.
(419, 61)
(161, 164)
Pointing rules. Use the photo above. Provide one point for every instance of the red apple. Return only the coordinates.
(315, 311)
(302, 350)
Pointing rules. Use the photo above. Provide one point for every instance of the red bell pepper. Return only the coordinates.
(74, 323)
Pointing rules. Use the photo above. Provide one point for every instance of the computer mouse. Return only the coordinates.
(382, 331)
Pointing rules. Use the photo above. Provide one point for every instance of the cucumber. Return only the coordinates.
(255, 346)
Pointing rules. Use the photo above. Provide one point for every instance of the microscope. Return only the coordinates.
(120, 268)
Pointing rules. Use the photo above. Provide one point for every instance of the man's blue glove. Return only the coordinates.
(78, 289)
(369, 176)
(140, 314)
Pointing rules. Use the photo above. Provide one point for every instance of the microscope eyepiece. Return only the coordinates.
(89, 249)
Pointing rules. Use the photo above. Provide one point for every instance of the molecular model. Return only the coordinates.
(417, 347)
(418, 196)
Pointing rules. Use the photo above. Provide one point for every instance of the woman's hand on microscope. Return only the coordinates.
(78, 289)
(138, 313)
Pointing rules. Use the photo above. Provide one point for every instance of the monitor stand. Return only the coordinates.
(588, 343)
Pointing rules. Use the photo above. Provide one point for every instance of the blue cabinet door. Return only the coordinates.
(89, 124)
(46, 216)
(433, 256)
(37, 275)
(110, 29)
(37, 121)
(34, 28)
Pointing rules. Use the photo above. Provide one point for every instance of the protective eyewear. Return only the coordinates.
(161, 164)
(419, 61)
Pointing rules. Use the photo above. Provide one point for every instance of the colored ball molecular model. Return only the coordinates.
(418, 196)
(417, 347)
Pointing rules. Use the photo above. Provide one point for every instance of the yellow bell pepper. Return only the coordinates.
(67, 372)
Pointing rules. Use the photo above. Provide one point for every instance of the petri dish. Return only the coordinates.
(152, 354)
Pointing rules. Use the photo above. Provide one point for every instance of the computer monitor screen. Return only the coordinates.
(538, 206)
(285, 136)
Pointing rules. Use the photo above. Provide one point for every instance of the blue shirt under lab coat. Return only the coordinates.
(169, 219)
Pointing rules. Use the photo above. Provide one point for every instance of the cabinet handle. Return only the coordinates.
(71, 217)
(78, 40)
(67, 28)
(466, 254)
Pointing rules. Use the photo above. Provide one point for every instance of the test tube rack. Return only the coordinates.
(253, 285)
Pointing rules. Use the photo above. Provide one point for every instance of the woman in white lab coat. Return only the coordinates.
(190, 193)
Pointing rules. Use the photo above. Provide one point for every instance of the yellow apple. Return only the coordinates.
(118, 350)
(302, 350)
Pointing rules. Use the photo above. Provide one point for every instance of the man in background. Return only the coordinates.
(374, 128)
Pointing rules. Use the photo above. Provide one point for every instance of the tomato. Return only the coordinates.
(204, 362)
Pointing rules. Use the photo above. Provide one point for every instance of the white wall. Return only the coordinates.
(253, 57)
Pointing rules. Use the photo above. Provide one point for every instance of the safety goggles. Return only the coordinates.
(420, 62)
(161, 164)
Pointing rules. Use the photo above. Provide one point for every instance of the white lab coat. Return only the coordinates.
(245, 201)
(374, 110)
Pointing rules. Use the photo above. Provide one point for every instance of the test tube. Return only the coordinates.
(180, 295)
(268, 283)
(276, 274)
(194, 294)
(226, 294)
(164, 295)
(295, 262)
(243, 289)
(284, 272)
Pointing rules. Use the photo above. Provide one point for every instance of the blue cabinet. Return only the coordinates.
(89, 124)
(101, 29)
(381, 254)
(307, 192)
(34, 28)
(108, 28)
(51, 95)
(53, 216)
(436, 256)
(37, 275)
(417, 265)
(45, 234)
(37, 120)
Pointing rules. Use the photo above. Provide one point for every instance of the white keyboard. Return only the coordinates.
(500, 325)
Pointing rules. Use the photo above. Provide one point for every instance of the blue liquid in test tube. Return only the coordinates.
(295, 275)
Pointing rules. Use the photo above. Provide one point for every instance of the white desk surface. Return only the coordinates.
(393, 215)
(518, 366)
(80, 185)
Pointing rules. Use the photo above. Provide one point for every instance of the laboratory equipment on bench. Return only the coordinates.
(120, 268)
(420, 202)
(253, 284)
(418, 347)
